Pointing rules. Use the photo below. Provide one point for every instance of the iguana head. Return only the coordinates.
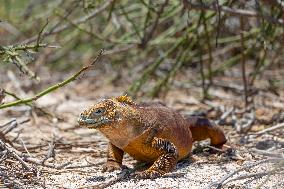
(105, 113)
(119, 119)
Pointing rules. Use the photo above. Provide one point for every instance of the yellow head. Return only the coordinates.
(105, 112)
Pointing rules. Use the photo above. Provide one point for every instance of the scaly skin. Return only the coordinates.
(150, 133)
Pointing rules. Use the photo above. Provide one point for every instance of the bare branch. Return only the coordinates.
(148, 35)
(54, 87)
(77, 21)
(234, 12)
(224, 180)
(278, 126)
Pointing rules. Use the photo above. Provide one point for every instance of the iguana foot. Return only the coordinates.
(149, 174)
(111, 166)
(165, 163)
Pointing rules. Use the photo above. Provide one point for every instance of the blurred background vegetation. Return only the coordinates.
(147, 43)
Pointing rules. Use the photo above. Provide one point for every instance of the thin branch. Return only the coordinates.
(39, 38)
(46, 164)
(278, 126)
(77, 21)
(163, 82)
(219, 22)
(52, 88)
(2, 95)
(243, 61)
(207, 36)
(267, 153)
(21, 65)
(261, 174)
(126, 173)
(13, 152)
(148, 35)
(234, 12)
(94, 34)
(23, 158)
(224, 180)
(135, 87)
(136, 29)
(24, 47)
(45, 112)
(279, 165)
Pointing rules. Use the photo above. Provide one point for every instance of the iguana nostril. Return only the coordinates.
(82, 116)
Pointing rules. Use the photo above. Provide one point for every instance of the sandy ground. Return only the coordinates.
(83, 147)
(85, 150)
(198, 174)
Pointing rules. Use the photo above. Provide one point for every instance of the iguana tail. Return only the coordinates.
(201, 129)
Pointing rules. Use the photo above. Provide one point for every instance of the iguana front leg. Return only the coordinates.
(165, 163)
(114, 159)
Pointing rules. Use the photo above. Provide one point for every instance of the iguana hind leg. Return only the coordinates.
(165, 163)
(202, 128)
(114, 159)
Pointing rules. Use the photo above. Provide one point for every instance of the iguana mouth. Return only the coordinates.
(92, 123)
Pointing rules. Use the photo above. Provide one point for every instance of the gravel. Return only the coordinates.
(198, 174)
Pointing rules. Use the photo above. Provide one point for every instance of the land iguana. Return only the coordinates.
(149, 132)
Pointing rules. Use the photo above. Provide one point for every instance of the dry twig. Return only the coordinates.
(14, 154)
(76, 22)
(52, 88)
(225, 179)
(234, 12)
(275, 127)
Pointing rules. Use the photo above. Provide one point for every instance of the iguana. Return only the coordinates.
(149, 132)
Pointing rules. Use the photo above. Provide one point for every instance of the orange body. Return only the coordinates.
(148, 132)
(167, 124)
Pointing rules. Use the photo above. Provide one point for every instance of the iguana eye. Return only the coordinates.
(98, 112)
